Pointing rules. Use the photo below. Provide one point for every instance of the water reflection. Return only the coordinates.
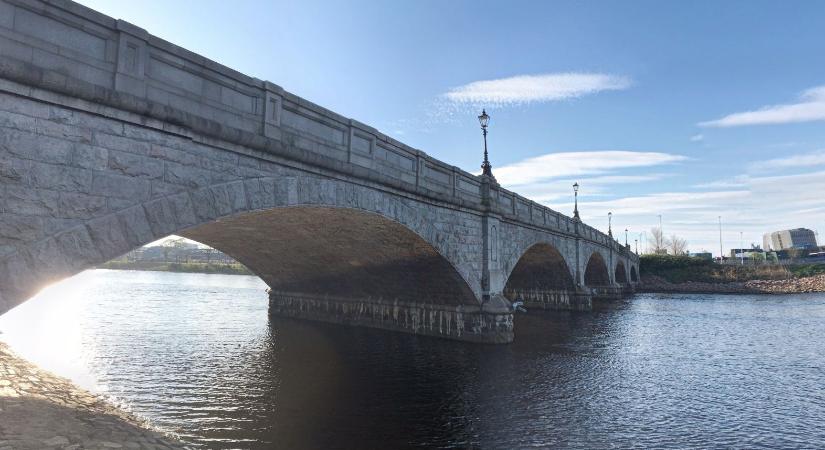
(198, 355)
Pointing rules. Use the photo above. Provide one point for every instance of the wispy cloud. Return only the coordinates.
(816, 158)
(523, 89)
(738, 181)
(592, 187)
(571, 164)
(697, 138)
(809, 108)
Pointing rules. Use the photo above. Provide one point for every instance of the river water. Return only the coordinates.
(197, 355)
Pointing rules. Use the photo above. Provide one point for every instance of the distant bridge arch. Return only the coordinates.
(596, 273)
(620, 274)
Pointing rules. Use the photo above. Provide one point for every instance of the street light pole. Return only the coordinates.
(721, 254)
(486, 167)
(625, 237)
(741, 250)
(576, 201)
(637, 246)
(610, 224)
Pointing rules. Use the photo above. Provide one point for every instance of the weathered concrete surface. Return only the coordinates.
(111, 138)
(41, 411)
(471, 323)
(558, 299)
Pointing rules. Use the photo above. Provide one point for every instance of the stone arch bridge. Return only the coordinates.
(111, 138)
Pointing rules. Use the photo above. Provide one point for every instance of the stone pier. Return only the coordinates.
(611, 292)
(560, 299)
(479, 324)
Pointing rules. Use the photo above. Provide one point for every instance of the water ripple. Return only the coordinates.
(197, 354)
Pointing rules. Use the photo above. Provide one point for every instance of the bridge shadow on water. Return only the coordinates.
(329, 386)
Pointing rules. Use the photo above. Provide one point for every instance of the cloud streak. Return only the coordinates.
(570, 164)
(524, 89)
(809, 108)
(816, 158)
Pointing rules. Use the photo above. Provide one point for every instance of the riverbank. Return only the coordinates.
(189, 267)
(656, 284)
(39, 410)
(685, 274)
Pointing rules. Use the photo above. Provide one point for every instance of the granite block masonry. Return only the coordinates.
(111, 138)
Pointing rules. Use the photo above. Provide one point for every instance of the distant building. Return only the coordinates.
(800, 238)
(702, 255)
(746, 253)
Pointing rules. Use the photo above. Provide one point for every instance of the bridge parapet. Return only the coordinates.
(67, 48)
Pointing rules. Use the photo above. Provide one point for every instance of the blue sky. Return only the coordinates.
(690, 110)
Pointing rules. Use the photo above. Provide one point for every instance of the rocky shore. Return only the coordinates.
(652, 283)
(41, 411)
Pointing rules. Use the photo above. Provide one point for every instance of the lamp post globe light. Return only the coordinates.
(610, 224)
(486, 167)
(576, 201)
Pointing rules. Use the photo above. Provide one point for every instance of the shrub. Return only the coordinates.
(807, 270)
(658, 263)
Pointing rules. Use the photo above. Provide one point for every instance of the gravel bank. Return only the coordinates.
(815, 283)
(41, 411)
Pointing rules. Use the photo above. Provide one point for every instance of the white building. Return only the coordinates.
(785, 239)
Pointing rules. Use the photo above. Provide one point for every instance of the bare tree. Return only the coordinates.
(677, 245)
(659, 244)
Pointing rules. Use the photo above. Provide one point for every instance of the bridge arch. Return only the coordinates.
(541, 278)
(596, 273)
(367, 242)
(634, 275)
(620, 274)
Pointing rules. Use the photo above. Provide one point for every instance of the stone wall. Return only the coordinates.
(464, 322)
(558, 299)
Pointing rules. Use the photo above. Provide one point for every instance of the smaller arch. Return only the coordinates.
(596, 272)
(620, 274)
(634, 276)
(542, 279)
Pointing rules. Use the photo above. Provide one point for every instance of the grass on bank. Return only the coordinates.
(189, 267)
(680, 269)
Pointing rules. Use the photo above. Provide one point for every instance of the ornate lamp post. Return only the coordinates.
(486, 167)
(637, 246)
(610, 224)
(576, 201)
(625, 237)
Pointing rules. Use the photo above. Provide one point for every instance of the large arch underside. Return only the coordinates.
(336, 252)
(348, 266)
